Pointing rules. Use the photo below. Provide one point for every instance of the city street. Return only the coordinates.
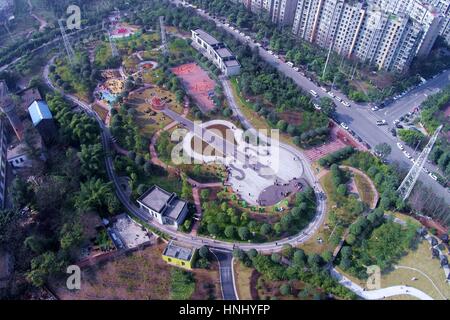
(359, 117)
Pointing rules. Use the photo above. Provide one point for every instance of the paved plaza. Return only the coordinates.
(260, 175)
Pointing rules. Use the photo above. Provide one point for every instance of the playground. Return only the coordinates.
(197, 84)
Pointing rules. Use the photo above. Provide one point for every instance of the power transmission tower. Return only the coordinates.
(413, 175)
(67, 45)
(114, 50)
(163, 34)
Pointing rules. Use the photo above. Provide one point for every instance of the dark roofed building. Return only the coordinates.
(163, 206)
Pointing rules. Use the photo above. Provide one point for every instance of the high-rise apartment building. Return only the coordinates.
(387, 33)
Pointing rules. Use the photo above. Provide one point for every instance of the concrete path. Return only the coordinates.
(380, 293)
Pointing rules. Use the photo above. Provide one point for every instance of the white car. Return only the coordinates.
(433, 176)
(227, 24)
(247, 37)
(323, 89)
(406, 153)
(270, 52)
(426, 170)
(413, 160)
(375, 108)
(400, 146)
(317, 107)
(345, 103)
(313, 93)
(344, 125)
(259, 44)
(396, 121)
(338, 99)
(276, 56)
(242, 34)
(296, 69)
(290, 64)
(331, 94)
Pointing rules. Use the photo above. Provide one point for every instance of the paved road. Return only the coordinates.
(227, 282)
(359, 117)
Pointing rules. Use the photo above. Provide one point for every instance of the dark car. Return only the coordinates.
(399, 126)
(394, 132)
(434, 241)
(368, 146)
(444, 261)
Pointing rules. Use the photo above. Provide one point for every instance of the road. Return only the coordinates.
(225, 259)
(359, 117)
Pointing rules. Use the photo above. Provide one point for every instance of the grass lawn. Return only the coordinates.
(366, 193)
(243, 276)
(325, 230)
(419, 259)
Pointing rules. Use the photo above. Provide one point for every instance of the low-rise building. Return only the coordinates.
(163, 206)
(216, 52)
(179, 255)
(42, 120)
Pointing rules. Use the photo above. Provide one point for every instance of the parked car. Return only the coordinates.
(433, 176)
(381, 122)
(344, 125)
(345, 103)
(406, 153)
(394, 132)
(400, 146)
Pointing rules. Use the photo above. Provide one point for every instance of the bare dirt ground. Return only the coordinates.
(141, 275)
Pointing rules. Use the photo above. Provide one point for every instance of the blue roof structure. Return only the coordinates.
(39, 111)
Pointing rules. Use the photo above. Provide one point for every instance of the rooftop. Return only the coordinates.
(232, 63)
(39, 111)
(209, 39)
(155, 198)
(163, 202)
(224, 53)
(178, 251)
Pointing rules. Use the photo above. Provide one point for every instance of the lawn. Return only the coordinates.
(419, 259)
(243, 277)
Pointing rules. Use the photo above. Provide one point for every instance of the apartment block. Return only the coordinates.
(283, 12)
(216, 52)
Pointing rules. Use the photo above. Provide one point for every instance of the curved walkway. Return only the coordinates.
(380, 293)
